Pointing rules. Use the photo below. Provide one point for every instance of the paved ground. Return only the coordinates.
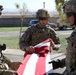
(14, 55)
(13, 51)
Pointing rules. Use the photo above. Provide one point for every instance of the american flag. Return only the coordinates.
(38, 62)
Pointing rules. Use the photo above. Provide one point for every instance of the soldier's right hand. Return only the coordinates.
(30, 49)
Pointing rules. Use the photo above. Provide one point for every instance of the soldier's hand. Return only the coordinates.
(30, 49)
(56, 64)
(56, 47)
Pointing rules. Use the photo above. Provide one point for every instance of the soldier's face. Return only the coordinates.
(70, 19)
(43, 22)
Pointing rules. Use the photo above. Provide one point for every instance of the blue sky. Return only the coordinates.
(32, 5)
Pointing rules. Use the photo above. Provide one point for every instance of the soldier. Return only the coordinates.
(70, 11)
(70, 60)
(38, 33)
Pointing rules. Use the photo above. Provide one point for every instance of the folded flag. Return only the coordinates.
(38, 62)
(43, 46)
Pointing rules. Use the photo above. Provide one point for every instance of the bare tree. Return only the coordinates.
(22, 12)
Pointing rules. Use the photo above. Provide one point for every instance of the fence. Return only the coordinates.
(16, 21)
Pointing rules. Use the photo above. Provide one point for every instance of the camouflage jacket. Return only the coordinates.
(71, 52)
(34, 35)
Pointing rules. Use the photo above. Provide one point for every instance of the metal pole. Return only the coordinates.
(43, 5)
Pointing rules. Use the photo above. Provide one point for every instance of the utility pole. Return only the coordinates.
(43, 5)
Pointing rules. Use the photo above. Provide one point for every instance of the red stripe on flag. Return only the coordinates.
(40, 66)
(23, 65)
(44, 48)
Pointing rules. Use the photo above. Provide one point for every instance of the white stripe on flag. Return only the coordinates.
(31, 65)
(42, 44)
(49, 68)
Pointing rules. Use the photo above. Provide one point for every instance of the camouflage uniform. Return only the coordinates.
(34, 35)
(70, 60)
(71, 54)
(7, 67)
(70, 8)
(8, 72)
